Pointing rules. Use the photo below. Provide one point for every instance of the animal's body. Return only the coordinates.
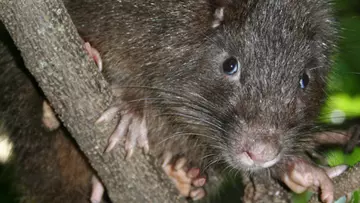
(226, 84)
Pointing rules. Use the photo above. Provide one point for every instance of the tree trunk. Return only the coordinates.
(53, 52)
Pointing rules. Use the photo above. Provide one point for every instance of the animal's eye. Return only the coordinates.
(304, 80)
(230, 66)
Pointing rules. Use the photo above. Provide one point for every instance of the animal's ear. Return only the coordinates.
(218, 15)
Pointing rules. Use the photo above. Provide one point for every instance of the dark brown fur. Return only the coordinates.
(166, 55)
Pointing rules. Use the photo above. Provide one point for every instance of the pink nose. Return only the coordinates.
(263, 160)
(262, 156)
(255, 157)
(251, 155)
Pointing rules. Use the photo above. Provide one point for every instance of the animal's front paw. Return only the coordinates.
(131, 128)
(188, 181)
(302, 176)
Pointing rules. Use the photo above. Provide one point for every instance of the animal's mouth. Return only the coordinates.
(246, 159)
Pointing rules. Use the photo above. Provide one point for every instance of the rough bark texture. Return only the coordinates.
(54, 54)
(262, 190)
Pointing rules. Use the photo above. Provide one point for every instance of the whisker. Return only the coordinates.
(179, 95)
(210, 164)
(208, 155)
(194, 118)
(185, 134)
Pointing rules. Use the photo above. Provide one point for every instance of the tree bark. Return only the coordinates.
(53, 52)
(262, 189)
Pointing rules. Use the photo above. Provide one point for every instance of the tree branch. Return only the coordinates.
(262, 189)
(53, 52)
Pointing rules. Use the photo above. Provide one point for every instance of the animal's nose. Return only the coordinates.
(260, 155)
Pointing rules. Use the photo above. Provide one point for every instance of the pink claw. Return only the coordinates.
(49, 118)
(94, 53)
(97, 191)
